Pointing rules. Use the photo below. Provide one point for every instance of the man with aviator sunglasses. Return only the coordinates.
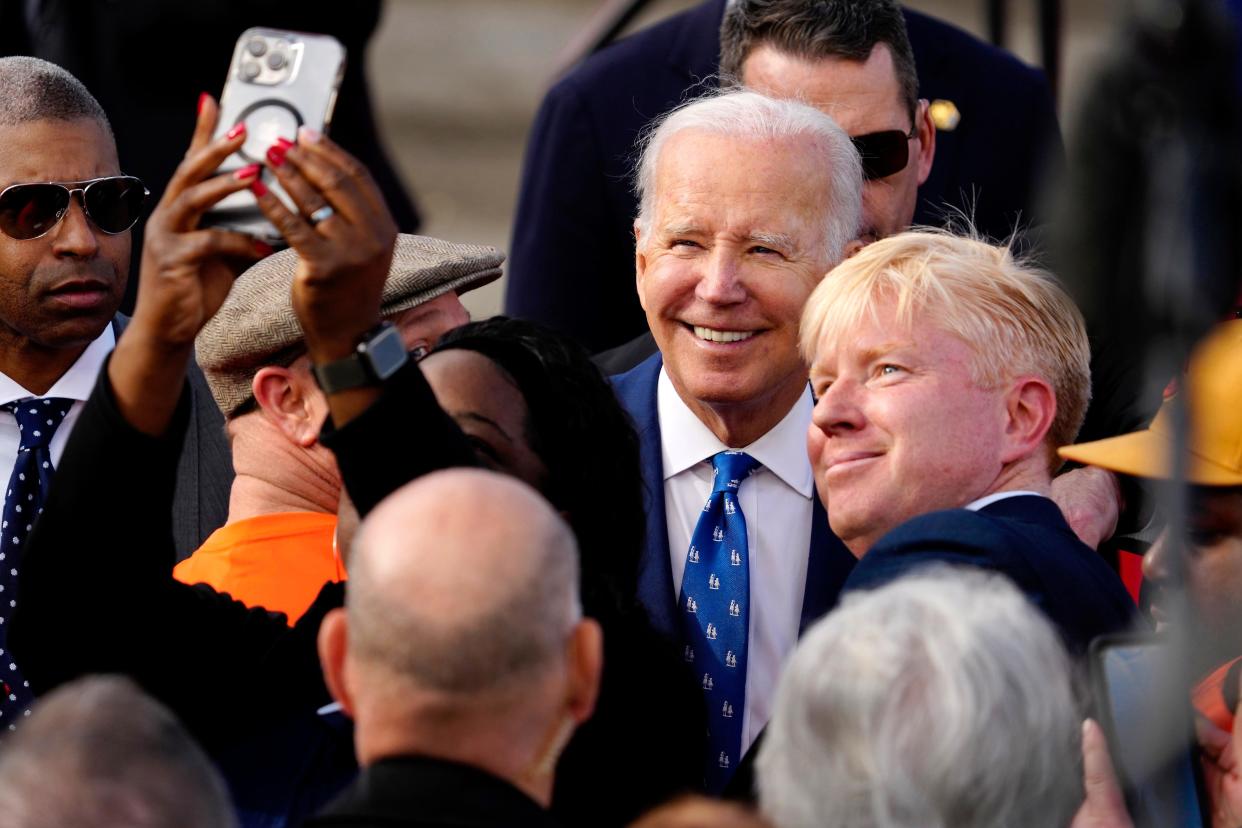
(66, 211)
(112, 204)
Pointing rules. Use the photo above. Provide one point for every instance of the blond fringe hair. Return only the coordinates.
(1016, 318)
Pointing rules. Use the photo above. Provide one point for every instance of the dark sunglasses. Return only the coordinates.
(113, 204)
(884, 153)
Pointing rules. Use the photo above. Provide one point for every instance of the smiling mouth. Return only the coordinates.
(848, 461)
(714, 335)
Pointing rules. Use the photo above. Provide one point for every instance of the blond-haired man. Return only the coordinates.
(947, 373)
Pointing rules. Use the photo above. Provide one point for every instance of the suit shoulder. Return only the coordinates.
(962, 526)
(617, 61)
(644, 372)
(938, 44)
(637, 385)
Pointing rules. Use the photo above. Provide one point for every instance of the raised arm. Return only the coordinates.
(97, 594)
(384, 435)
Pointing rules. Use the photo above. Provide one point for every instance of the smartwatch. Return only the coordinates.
(379, 355)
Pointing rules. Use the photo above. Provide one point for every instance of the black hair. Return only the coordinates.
(587, 443)
(815, 29)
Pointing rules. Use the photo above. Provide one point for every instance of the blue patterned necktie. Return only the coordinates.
(37, 421)
(715, 613)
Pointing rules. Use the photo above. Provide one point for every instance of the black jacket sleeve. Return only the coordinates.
(402, 436)
(97, 593)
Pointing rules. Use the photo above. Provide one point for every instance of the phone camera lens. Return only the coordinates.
(275, 60)
(257, 46)
(250, 70)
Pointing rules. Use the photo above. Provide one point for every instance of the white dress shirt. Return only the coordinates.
(776, 501)
(75, 384)
(987, 500)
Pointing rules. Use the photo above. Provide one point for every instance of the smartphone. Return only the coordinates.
(1147, 720)
(277, 81)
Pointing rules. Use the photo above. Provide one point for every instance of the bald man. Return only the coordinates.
(461, 654)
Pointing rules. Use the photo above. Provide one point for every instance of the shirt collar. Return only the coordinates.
(76, 383)
(686, 441)
(988, 500)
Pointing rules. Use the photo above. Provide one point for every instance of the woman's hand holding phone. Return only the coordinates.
(186, 273)
(344, 236)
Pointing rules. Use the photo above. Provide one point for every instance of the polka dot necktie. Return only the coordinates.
(715, 613)
(37, 421)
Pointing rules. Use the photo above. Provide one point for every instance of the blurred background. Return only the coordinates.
(456, 84)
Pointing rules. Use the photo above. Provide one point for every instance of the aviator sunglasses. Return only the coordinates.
(884, 153)
(113, 204)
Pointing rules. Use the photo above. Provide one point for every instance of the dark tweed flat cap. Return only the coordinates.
(256, 325)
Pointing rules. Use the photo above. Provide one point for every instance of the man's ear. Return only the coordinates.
(852, 247)
(283, 400)
(640, 264)
(927, 139)
(585, 658)
(333, 646)
(1030, 407)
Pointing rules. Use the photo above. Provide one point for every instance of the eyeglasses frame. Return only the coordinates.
(78, 189)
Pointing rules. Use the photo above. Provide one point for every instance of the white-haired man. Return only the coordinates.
(461, 655)
(745, 203)
(947, 375)
(949, 702)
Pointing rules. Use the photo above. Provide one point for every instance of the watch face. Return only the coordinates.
(387, 353)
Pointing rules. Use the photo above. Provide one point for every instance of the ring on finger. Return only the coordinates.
(322, 214)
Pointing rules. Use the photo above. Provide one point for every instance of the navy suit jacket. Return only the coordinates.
(576, 180)
(828, 563)
(1024, 538)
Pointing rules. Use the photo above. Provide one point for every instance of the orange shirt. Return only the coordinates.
(1209, 698)
(277, 561)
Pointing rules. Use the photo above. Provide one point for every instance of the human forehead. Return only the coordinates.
(876, 331)
(861, 96)
(431, 319)
(1221, 505)
(55, 150)
(724, 178)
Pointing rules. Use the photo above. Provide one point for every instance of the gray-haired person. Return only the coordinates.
(941, 700)
(97, 753)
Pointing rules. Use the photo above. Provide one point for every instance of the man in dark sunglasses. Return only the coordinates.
(66, 211)
(858, 67)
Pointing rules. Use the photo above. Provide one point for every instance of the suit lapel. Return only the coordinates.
(828, 564)
(637, 391)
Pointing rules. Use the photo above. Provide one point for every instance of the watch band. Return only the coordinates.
(379, 355)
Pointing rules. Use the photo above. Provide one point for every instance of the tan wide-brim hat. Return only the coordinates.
(1213, 389)
(256, 325)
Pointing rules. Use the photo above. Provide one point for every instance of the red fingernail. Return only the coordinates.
(238, 129)
(248, 171)
(203, 98)
(258, 187)
(284, 143)
(263, 248)
(275, 156)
